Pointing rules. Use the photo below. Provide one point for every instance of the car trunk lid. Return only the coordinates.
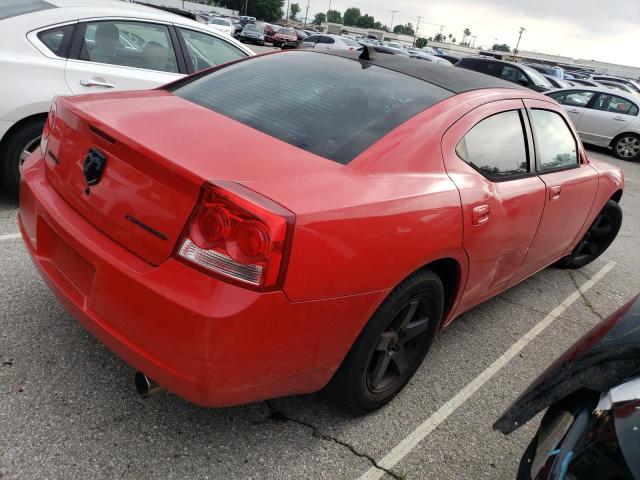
(159, 150)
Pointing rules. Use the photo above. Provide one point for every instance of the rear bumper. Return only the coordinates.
(207, 341)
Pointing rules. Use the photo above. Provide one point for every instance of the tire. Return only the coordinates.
(26, 138)
(600, 235)
(627, 147)
(391, 346)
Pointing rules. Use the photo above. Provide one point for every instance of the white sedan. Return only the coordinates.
(604, 117)
(330, 42)
(223, 25)
(66, 47)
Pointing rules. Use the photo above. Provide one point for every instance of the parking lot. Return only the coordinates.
(68, 407)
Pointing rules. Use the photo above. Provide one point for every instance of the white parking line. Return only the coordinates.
(10, 236)
(410, 442)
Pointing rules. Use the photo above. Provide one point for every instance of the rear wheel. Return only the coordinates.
(600, 235)
(627, 147)
(392, 345)
(21, 143)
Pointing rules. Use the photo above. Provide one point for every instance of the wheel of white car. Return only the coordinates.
(627, 146)
(20, 143)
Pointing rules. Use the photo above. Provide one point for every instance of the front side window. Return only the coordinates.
(496, 146)
(208, 51)
(556, 148)
(58, 39)
(323, 104)
(129, 44)
(514, 75)
(326, 40)
(536, 77)
(615, 104)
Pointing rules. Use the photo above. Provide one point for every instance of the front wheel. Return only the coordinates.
(627, 147)
(391, 346)
(21, 143)
(600, 235)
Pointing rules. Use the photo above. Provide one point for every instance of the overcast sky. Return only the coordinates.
(605, 30)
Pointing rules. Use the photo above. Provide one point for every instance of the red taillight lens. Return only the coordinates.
(239, 235)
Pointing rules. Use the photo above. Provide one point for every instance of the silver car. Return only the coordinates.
(330, 42)
(604, 117)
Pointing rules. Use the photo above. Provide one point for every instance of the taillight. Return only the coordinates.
(48, 127)
(239, 235)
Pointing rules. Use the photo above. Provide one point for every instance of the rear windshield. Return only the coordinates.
(331, 106)
(12, 8)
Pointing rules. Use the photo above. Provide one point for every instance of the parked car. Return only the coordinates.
(580, 81)
(592, 399)
(269, 32)
(252, 33)
(231, 275)
(617, 86)
(604, 118)
(63, 49)
(237, 25)
(512, 72)
(329, 42)
(540, 68)
(453, 59)
(433, 59)
(557, 82)
(222, 24)
(395, 46)
(635, 86)
(285, 35)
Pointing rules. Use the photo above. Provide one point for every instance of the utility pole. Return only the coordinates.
(393, 12)
(522, 30)
(286, 20)
(328, 17)
(473, 45)
(246, 4)
(415, 35)
(306, 13)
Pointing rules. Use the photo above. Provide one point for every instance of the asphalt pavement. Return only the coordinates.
(68, 408)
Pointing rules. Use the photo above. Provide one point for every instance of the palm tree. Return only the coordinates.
(467, 34)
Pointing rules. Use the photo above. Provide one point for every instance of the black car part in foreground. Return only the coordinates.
(592, 426)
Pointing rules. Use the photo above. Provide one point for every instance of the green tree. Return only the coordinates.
(421, 42)
(351, 16)
(294, 9)
(334, 16)
(320, 18)
(398, 29)
(439, 37)
(501, 47)
(404, 29)
(467, 34)
(365, 21)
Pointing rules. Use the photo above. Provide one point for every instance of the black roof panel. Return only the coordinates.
(456, 80)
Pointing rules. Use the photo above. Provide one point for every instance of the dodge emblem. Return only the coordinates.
(93, 167)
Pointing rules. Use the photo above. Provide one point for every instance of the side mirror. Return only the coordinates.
(524, 82)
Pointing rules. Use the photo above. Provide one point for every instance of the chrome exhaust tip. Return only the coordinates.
(145, 386)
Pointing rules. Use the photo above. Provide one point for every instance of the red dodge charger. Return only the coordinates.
(303, 220)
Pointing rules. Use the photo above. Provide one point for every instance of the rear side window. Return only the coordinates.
(556, 147)
(208, 51)
(496, 146)
(58, 39)
(327, 105)
(13, 8)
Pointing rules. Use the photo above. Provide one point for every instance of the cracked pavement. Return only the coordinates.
(68, 408)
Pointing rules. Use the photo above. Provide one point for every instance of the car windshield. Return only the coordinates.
(324, 104)
(536, 77)
(286, 31)
(13, 8)
(220, 21)
(250, 27)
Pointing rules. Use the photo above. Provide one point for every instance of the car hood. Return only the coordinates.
(605, 357)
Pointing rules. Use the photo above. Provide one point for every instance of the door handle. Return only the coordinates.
(574, 111)
(619, 119)
(554, 193)
(96, 83)
(480, 214)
